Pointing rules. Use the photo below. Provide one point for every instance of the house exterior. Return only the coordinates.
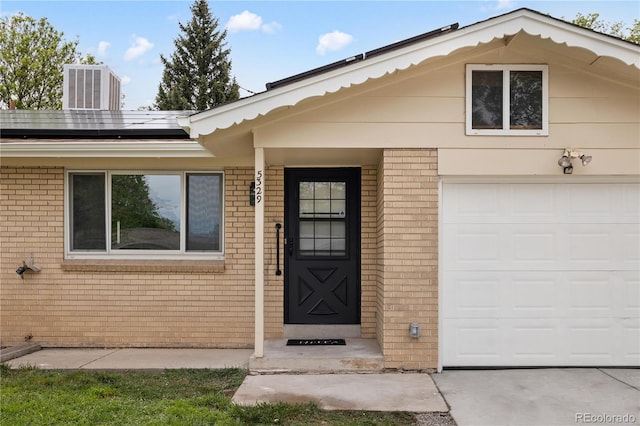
(468, 197)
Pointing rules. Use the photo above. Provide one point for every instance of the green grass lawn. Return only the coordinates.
(30, 396)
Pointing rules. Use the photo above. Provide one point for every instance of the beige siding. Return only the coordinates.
(424, 107)
(163, 304)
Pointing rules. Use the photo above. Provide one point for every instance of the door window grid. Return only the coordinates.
(322, 217)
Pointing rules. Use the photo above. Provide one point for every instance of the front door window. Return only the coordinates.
(322, 219)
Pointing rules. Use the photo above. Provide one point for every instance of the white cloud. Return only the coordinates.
(139, 46)
(249, 21)
(102, 48)
(271, 28)
(246, 21)
(125, 80)
(333, 41)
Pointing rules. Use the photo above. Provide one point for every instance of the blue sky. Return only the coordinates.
(269, 40)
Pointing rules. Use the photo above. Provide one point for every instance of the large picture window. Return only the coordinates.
(119, 213)
(507, 100)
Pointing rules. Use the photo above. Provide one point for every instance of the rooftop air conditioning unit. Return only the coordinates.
(93, 87)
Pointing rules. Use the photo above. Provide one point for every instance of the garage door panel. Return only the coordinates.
(540, 294)
(529, 340)
(568, 342)
(542, 203)
(542, 247)
(474, 248)
(598, 246)
(582, 201)
(536, 203)
(590, 339)
(489, 342)
(540, 274)
(472, 342)
(500, 294)
(535, 246)
(629, 342)
(629, 200)
(495, 247)
(629, 248)
(628, 298)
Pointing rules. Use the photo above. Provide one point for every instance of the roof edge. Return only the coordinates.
(117, 149)
(95, 133)
(361, 56)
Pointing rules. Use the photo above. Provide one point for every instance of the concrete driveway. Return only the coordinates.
(555, 396)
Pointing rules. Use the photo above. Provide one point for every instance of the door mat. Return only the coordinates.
(315, 342)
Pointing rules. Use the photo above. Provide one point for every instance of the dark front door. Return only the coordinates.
(322, 252)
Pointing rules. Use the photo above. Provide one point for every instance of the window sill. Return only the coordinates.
(143, 265)
(511, 132)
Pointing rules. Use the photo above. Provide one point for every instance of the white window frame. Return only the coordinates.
(108, 253)
(506, 69)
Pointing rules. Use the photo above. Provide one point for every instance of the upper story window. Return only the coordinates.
(507, 100)
(144, 214)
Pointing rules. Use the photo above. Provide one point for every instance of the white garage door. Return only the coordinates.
(540, 274)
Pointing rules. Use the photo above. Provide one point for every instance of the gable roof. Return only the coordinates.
(402, 55)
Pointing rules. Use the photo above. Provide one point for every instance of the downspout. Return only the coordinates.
(259, 253)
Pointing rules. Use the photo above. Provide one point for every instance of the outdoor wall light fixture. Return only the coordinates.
(565, 160)
(414, 330)
(26, 267)
(252, 194)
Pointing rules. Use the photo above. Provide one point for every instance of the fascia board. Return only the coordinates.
(190, 149)
(484, 32)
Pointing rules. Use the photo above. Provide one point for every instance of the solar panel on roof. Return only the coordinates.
(71, 123)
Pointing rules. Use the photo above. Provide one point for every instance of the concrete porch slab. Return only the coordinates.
(412, 392)
(358, 355)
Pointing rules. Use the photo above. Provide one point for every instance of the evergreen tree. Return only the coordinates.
(198, 75)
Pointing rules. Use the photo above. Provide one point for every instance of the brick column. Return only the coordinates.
(407, 289)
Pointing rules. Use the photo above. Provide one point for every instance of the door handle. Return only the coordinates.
(278, 270)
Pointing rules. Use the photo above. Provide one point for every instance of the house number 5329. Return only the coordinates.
(258, 186)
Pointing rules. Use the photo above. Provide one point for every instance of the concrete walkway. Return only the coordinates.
(548, 396)
(371, 392)
(375, 392)
(133, 359)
